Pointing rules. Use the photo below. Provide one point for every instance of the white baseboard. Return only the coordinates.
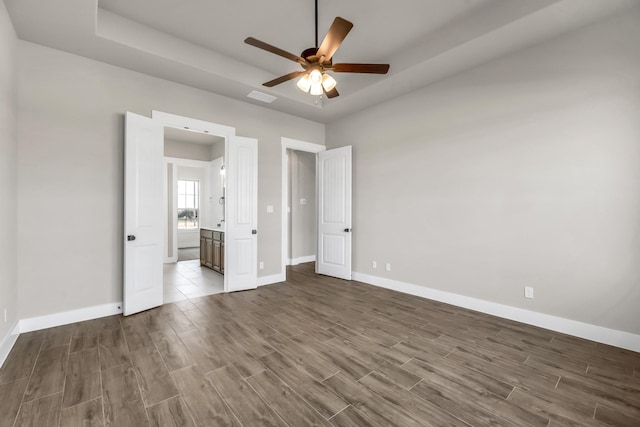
(270, 280)
(588, 331)
(302, 259)
(71, 316)
(8, 341)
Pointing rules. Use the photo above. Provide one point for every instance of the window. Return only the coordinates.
(188, 204)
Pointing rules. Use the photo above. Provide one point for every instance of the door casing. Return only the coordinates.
(294, 144)
(180, 122)
(290, 144)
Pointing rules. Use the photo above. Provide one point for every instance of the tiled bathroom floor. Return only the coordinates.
(186, 279)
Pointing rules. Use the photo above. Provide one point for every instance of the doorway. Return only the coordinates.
(333, 208)
(193, 194)
(194, 167)
(301, 195)
(297, 233)
(145, 207)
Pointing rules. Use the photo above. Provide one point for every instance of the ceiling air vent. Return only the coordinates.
(259, 96)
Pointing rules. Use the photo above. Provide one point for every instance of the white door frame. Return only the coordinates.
(192, 125)
(174, 216)
(291, 144)
(195, 125)
(174, 163)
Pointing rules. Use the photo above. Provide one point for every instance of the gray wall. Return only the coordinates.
(302, 167)
(70, 171)
(523, 171)
(187, 150)
(217, 150)
(8, 171)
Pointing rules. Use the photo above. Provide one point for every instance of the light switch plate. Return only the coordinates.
(528, 292)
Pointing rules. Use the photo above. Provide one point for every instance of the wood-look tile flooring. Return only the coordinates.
(314, 351)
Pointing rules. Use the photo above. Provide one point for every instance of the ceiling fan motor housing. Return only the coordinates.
(311, 55)
(309, 52)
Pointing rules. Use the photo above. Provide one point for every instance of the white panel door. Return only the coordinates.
(241, 196)
(143, 214)
(334, 213)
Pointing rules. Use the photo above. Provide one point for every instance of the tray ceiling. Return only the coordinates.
(200, 42)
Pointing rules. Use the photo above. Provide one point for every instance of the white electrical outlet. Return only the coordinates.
(269, 208)
(387, 266)
(528, 292)
(374, 264)
(303, 201)
(261, 265)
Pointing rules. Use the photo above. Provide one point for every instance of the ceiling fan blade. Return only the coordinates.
(283, 79)
(269, 48)
(332, 41)
(332, 93)
(360, 68)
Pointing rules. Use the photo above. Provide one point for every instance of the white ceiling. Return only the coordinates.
(200, 42)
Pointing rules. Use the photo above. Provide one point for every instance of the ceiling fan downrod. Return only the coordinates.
(316, 45)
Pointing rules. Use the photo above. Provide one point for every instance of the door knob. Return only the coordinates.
(131, 238)
(254, 231)
(347, 230)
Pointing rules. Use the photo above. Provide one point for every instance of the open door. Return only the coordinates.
(334, 213)
(143, 213)
(241, 218)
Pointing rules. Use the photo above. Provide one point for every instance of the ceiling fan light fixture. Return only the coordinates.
(316, 89)
(328, 82)
(304, 83)
(315, 76)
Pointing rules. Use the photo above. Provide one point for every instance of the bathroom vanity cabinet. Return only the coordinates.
(212, 248)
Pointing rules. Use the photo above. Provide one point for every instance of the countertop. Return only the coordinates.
(219, 229)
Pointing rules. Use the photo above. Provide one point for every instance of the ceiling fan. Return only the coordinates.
(316, 61)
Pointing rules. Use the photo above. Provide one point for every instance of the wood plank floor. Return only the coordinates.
(314, 351)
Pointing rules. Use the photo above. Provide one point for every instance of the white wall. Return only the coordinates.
(523, 171)
(8, 175)
(70, 127)
(215, 208)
